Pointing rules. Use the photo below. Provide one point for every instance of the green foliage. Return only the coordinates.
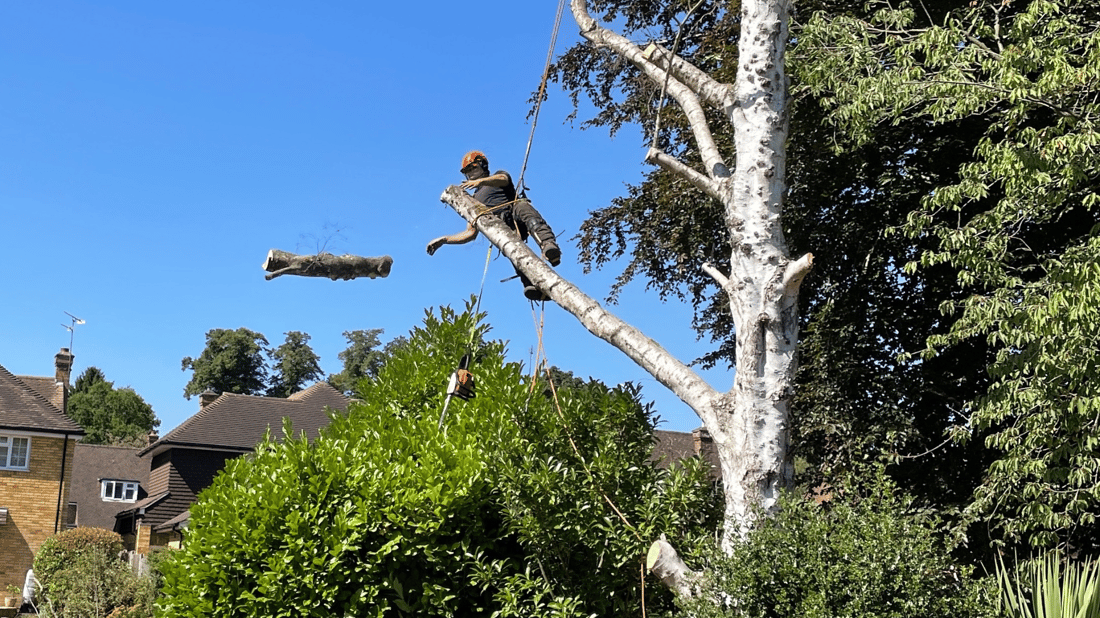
(295, 365)
(387, 514)
(858, 556)
(107, 414)
(81, 575)
(362, 358)
(1040, 589)
(232, 362)
(1018, 226)
(147, 588)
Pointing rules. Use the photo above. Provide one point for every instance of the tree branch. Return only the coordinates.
(334, 267)
(709, 89)
(716, 274)
(647, 353)
(663, 561)
(699, 181)
(684, 96)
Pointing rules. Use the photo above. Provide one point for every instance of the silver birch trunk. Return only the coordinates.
(750, 422)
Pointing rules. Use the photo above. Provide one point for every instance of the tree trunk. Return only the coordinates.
(325, 265)
(749, 423)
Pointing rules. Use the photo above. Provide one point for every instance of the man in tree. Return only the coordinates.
(497, 192)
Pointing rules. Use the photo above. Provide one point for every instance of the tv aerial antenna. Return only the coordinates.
(71, 327)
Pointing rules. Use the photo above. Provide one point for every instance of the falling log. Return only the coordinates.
(325, 265)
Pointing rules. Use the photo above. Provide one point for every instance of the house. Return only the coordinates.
(106, 480)
(37, 442)
(186, 460)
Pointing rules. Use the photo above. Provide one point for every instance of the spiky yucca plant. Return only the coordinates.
(1040, 589)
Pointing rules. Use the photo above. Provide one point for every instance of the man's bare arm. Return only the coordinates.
(500, 179)
(460, 238)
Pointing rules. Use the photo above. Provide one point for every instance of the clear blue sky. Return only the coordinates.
(151, 153)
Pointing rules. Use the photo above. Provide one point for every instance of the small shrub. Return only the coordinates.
(81, 574)
(858, 556)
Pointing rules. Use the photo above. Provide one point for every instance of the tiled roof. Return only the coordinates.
(93, 462)
(179, 521)
(238, 422)
(23, 407)
(672, 446)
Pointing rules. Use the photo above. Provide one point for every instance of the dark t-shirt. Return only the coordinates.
(499, 196)
(496, 196)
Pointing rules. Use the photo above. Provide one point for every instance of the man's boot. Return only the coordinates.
(551, 251)
(530, 291)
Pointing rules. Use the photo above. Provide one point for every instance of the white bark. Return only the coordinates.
(749, 424)
(664, 562)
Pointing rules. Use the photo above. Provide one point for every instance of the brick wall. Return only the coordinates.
(31, 500)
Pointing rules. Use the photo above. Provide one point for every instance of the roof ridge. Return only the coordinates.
(19, 382)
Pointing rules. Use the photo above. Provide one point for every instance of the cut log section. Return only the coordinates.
(334, 267)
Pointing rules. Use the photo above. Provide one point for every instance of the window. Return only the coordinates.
(14, 452)
(119, 491)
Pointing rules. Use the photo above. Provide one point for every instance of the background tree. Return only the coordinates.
(362, 358)
(109, 415)
(1018, 225)
(517, 506)
(857, 400)
(232, 362)
(295, 365)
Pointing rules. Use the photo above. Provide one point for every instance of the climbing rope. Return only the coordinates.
(668, 72)
(542, 90)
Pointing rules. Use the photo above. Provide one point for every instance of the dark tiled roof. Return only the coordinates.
(22, 407)
(672, 446)
(238, 422)
(174, 523)
(93, 462)
(145, 503)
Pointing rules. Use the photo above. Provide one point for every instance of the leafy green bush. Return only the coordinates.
(81, 574)
(147, 589)
(856, 556)
(386, 513)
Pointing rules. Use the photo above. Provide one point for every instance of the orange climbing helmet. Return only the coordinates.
(474, 157)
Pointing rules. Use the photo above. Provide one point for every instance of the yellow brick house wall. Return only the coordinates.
(31, 499)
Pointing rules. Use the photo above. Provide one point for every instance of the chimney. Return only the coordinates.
(152, 437)
(63, 364)
(207, 397)
(704, 448)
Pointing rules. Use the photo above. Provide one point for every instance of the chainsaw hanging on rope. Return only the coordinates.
(461, 385)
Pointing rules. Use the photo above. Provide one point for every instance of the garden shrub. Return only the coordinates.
(387, 514)
(81, 575)
(860, 555)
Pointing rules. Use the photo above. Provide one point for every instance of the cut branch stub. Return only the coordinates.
(325, 265)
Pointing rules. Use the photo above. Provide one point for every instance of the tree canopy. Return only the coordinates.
(232, 362)
(295, 365)
(1017, 225)
(109, 415)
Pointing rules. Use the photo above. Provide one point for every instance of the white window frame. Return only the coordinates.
(123, 488)
(7, 452)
